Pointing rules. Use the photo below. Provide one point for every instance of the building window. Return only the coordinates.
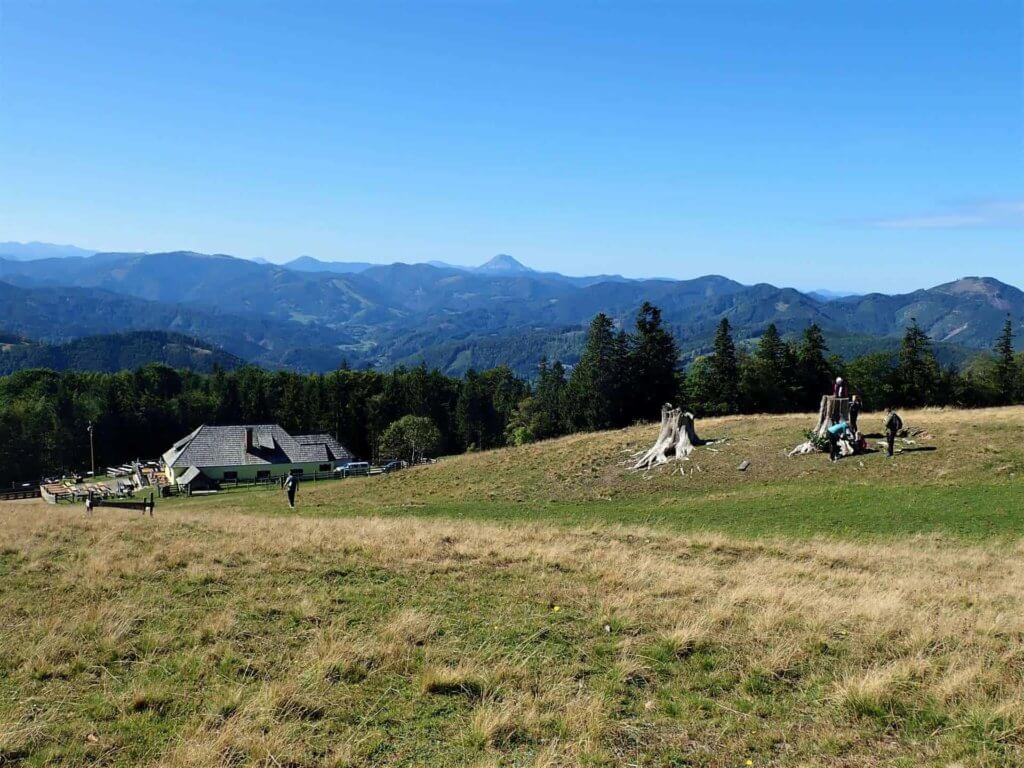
(325, 467)
(262, 474)
(297, 471)
(230, 475)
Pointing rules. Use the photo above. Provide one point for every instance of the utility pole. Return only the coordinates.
(92, 452)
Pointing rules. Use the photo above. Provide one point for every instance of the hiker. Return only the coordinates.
(290, 484)
(841, 388)
(835, 433)
(855, 406)
(893, 424)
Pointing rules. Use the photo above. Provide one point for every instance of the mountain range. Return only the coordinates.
(313, 315)
(34, 250)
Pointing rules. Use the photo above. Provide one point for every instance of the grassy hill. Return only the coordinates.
(962, 478)
(540, 606)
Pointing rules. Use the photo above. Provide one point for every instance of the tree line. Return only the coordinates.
(623, 376)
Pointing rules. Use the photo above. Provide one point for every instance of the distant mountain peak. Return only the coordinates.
(34, 250)
(974, 285)
(503, 263)
(312, 264)
(988, 289)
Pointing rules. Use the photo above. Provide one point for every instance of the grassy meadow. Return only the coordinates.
(540, 606)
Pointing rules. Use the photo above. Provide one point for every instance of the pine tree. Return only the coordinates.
(1006, 373)
(766, 375)
(651, 366)
(814, 371)
(473, 411)
(595, 384)
(917, 370)
(725, 371)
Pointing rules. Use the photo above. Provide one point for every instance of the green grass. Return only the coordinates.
(974, 511)
(965, 483)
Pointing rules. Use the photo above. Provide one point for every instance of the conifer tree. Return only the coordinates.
(1006, 373)
(814, 370)
(724, 371)
(652, 362)
(595, 384)
(917, 371)
(767, 374)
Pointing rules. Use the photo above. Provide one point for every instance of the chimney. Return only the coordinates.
(248, 439)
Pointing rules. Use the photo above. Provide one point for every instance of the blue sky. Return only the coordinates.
(853, 145)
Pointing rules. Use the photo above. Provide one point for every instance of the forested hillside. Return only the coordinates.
(621, 378)
(115, 352)
(311, 316)
(56, 315)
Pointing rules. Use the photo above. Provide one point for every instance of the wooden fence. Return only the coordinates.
(311, 477)
(26, 493)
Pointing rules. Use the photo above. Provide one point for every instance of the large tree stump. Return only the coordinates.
(832, 411)
(676, 439)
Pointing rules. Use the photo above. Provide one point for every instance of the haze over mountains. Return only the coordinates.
(312, 315)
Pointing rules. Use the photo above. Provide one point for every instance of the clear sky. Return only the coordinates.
(855, 145)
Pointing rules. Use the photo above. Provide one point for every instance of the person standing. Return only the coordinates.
(855, 406)
(840, 389)
(290, 484)
(893, 424)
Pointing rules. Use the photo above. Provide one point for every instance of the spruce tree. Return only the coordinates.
(814, 371)
(595, 384)
(1006, 373)
(473, 411)
(766, 374)
(917, 371)
(651, 366)
(725, 371)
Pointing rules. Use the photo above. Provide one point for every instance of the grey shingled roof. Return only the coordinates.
(334, 451)
(225, 447)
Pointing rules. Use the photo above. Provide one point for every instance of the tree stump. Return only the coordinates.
(677, 438)
(832, 411)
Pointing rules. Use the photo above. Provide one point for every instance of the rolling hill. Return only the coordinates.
(116, 352)
(57, 315)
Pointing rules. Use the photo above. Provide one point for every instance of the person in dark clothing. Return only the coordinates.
(835, 433)
(290, 484)
(841, 388)
(893, 424)
(855, 406)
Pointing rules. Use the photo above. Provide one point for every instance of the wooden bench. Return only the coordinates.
(144, 506)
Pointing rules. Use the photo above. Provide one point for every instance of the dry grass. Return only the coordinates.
(197, 640)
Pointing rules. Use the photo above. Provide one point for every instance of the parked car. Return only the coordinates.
(354, 468)
(392, 466)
